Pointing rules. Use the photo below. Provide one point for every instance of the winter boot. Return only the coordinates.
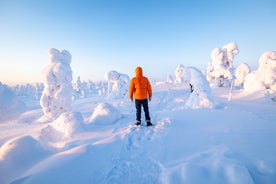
(138, 123)
(149, 123)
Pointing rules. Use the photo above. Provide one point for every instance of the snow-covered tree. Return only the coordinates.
(264, 78)
(118, 84)
(80, 89)
(241, 72)
(57, 94)
(201, 96)
(169, 79)
(220, 70)
(208, 72)
(101, 87)
(231, 50)
(30, 91)
(179, 74)
(38, 90)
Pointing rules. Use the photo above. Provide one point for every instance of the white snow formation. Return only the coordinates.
(118, 84)
(25, 151)
(220, 71)
(201, 97)
(105, 114)
(241, 72)
(64, 127)
(179, 74)
(57, 94)
(264, 78)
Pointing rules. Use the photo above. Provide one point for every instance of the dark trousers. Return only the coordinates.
(138, 105)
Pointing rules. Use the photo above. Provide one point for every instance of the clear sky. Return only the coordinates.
(119, 35)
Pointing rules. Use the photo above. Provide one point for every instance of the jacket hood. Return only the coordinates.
(139, 71)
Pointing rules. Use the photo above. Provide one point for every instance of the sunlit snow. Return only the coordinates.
(199, 135)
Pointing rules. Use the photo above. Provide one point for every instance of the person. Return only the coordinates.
(140, 87)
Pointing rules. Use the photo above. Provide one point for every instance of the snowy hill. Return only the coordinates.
(234, 142)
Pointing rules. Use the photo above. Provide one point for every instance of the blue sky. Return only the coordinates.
(119, 35)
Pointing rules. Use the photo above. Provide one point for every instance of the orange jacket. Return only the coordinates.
(139, 86)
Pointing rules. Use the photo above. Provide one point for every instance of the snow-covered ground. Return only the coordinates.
(233, 142)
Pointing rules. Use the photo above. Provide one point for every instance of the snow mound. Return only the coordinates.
(65, 126)
(105, 114)
(69, 123)
(10, 105)
(201, 97)
(20, 149)
(216, 165)
(24, 150)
